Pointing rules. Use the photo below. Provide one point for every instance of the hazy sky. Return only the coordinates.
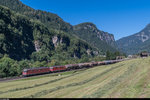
(119, 17)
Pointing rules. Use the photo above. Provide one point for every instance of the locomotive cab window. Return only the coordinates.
(25, 70)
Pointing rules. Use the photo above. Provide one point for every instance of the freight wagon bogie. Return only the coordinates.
(94, 63)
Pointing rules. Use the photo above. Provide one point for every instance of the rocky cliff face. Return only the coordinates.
(135, 43)
(37, 45)
(90, 33)
(56, 41)
(144, 35)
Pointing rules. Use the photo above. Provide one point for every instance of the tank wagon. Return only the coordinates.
(54, 69)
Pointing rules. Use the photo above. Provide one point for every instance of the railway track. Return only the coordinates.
(14, 78)
(21, 77)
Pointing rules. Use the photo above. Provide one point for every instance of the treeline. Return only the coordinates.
(10, 67)
(113, 55)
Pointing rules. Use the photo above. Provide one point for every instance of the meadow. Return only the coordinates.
(127, 79)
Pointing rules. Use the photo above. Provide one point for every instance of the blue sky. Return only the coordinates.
(119, 17)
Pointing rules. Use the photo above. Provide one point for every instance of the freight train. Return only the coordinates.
(44, 70)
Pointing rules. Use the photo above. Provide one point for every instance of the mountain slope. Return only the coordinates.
(89, 32)
(135, 43)
(49, 19)
(23, 38)
(126, 79)
(53, 21)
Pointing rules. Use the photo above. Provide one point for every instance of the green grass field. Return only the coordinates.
(127, 79)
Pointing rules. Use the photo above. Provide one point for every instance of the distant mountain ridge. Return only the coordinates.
(135, 43)
(104, 41)
(97, 38)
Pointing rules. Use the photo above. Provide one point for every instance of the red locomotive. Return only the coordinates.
(57, 68)
(35, 71)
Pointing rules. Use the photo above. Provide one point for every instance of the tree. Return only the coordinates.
(108, 55)
(8, 67)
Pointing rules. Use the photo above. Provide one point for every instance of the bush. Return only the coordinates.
(8, 67)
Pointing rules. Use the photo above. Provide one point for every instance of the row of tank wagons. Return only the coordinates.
(44, 70)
